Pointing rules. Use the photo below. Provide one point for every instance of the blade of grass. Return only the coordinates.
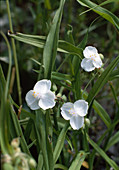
(101, 11)
(77, 163)
(41, 127)
(60, 142)
(112, 141)
(39, 41)
(102, 80)
(50, 48)
(92, 155)
(103, 154)
(100, 111)
(10, 65)
(14, 53)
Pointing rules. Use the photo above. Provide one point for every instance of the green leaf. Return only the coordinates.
(114, 75)
(19, 131)
(50, 48)
(92, 155)
(41, 127)
(61, 76)
(113, 140)
(60, 143)
(77, 163)
(102, 80)
(60, 166)
(102, 113)
(101, 11)
(35, 40)
(39, 41)
(66, 47)
(49, 140)
(103, 154)
(40, 161)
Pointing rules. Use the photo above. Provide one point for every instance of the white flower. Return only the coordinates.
(41, 96)
(92, 59)
(75, 113)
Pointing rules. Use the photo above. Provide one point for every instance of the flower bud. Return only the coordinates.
(87, 122)
(32, 162)
(54, 87)
(101, 56)
(18, 150)
(15, 142)
(64, 98)
(6, 158)
(59, 95)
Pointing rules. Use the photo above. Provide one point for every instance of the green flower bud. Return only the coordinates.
(87, 122)
(59, 95)
(101, 56)
(64, 98)
(54, 87)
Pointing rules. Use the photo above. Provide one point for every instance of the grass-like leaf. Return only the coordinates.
(101, 11)
(103, 154)
(77, 163)
(50, 48)
(113, 140)
(60, 143)
(39, 41)
(102, 80)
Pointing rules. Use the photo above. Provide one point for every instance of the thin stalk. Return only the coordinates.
(10, 64)
(14, 53)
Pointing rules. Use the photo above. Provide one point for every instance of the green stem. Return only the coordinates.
(14, 53)
(10, 64)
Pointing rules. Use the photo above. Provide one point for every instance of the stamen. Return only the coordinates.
(71, 111)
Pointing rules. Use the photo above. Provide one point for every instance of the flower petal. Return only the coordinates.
(81, 107)
(65, 110)
(97, 62)
(87, 65)
(88, 51)
(42, 86)
(76, 122)
(47, 100)
(32, 102)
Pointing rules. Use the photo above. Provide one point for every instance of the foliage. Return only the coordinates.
(46, 39)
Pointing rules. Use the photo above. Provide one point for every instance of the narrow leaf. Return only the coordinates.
(113, 140)
(77, 163)
(101, 11)
(103, 154)
(50, 48)
(102, 80)
(60, 143)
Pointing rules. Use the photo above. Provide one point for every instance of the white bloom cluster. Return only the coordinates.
(42, 97)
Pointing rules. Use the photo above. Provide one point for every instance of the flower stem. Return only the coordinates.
(14, 53)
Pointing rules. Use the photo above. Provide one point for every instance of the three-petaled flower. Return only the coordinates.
(75, 113)
(92, 59)
(41, 96)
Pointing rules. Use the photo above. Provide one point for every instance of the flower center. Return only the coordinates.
(71, 111)
(93, 56)
(36, 94)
